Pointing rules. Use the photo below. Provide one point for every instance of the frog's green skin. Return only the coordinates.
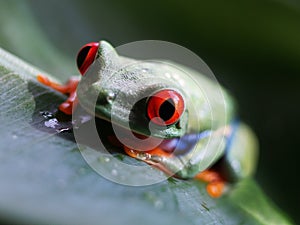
(115, 81)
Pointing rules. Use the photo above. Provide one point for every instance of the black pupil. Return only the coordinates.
(167, 109)
(82, 55)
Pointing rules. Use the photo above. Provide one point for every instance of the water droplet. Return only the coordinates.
(114, 172)
(144, 156)
(52, 123)
(145, 70)
(176, 76)
(104, 159)
(82, 170)
(110, 97)
(154, 199)
(47, 115)
(168, 75)
(158, 204)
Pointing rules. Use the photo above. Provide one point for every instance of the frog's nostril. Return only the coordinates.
(86, 56)
(110, 97)
(105, 97)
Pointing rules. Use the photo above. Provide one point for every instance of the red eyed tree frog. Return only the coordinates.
(218, 154)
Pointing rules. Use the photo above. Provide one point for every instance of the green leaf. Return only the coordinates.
(45, 180)
(22, 35)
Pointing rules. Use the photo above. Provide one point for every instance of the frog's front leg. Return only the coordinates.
(69, 88)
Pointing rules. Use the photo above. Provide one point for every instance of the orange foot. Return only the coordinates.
(216, 184)
(69, 88)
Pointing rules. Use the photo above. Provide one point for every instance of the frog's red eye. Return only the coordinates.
(86, 56)
(165, 107)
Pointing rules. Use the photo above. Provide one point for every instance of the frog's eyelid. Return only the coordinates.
(86, 56)
(165, 107)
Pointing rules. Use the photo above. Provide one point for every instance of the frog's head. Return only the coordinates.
(143, 96)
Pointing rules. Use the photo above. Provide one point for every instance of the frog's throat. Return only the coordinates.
(166, 149)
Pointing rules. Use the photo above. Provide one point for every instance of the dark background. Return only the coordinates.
(253, 48)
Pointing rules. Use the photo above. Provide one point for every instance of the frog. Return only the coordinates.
(191, 120)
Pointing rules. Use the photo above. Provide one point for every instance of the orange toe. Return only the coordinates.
(215, 189)
(43, 79)
(66, 107)
(216, 183)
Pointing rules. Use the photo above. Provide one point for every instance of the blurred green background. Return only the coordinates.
(253, 48)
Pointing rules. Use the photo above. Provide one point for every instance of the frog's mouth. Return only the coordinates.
(166, 156)
(123, 143)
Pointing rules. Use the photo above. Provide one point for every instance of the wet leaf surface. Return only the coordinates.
(45, 180)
